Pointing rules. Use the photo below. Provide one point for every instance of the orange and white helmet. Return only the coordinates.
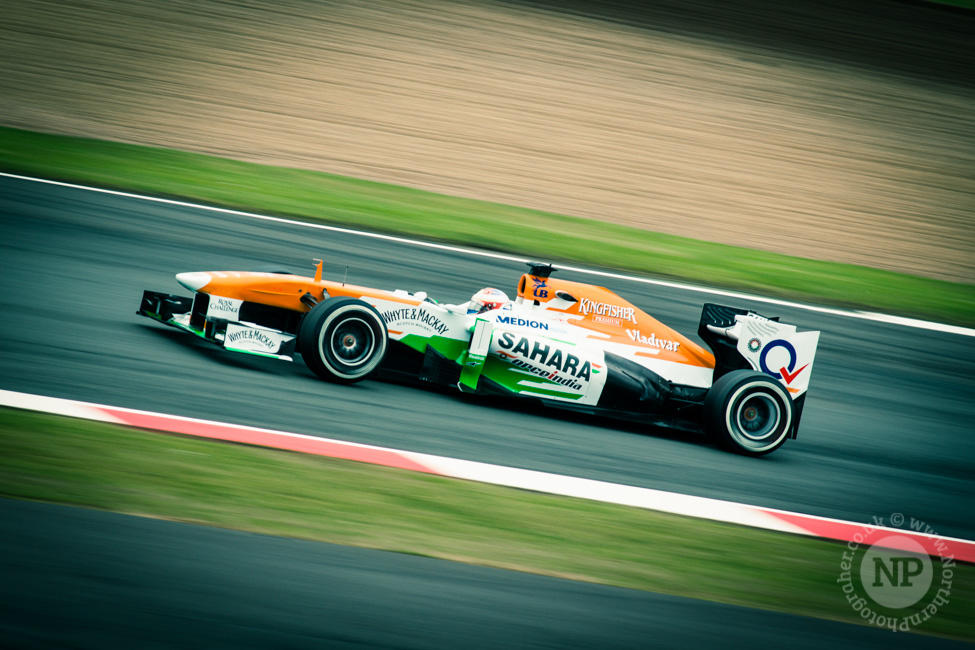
(486, 300)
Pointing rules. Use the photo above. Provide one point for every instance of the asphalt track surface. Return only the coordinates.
(887, 426)
(87, 579)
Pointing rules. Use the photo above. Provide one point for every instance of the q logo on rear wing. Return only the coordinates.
(779, 351)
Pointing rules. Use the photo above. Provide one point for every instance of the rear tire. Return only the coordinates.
(749, 412)
(343, 340)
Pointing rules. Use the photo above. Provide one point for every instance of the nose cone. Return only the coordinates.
(193, 281)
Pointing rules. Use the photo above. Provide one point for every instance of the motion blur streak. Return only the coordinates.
(882, 318)
(832, 129)
(868, 447)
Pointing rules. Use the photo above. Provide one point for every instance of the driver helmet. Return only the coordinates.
(486, 300)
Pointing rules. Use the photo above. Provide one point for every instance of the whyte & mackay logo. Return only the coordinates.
(423, 318)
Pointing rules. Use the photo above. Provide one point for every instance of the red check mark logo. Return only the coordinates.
(790, 376)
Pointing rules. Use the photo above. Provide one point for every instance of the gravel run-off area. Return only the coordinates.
(831, 130)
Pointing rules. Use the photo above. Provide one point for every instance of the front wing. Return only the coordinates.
(190, 315)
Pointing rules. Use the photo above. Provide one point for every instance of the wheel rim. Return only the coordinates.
(352, 342)
(757, 417)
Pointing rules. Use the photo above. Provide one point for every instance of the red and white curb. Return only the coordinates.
(679, 504)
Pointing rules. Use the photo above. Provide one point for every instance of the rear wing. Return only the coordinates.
(742, 339)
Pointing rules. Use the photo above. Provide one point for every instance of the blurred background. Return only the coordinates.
(831, 130)
(828, 129)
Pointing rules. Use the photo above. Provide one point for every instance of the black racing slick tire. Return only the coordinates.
(749, 412)
(343, 340)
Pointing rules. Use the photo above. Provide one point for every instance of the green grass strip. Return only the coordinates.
(55, 459)
(389, 208)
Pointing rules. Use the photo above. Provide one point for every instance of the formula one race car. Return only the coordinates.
(568, 344)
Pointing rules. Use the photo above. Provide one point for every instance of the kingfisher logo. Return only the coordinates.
(787, 372)
(522, 322)
(606, 320)
(587, 307)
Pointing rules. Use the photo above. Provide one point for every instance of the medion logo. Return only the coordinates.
(522, 322)
(652, 341)
(604, 309)
(551, 361)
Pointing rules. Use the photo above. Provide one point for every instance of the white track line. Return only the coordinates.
(861, 315)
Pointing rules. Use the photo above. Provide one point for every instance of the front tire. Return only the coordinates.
(749, 412)
(343, 340)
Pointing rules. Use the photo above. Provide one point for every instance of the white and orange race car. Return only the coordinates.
(568, 344)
